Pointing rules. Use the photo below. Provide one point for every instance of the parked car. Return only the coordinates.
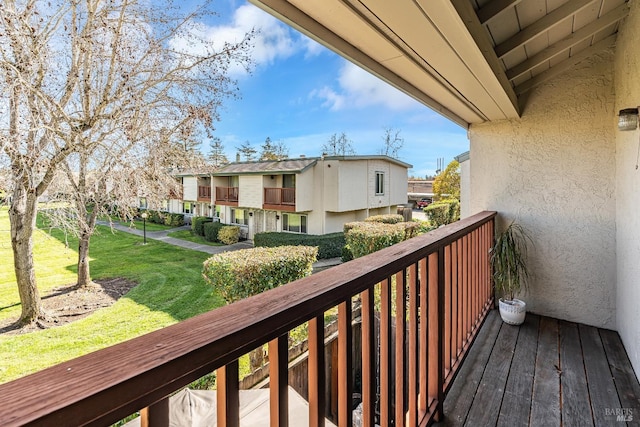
(423, 203)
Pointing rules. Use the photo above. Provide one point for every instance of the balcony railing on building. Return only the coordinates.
(282, 199)
(421, 303)
(204, 193)
(227, 196)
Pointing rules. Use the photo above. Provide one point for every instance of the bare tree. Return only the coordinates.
(338, 146)
(393, 142)
(88, 79)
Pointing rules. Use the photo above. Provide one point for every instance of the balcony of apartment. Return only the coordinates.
(204, 193)
(227, 196)
(280, 199)
(429, 348)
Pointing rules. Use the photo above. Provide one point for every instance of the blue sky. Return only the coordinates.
(301, 93)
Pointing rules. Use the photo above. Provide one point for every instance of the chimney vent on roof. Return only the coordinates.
(237, 157)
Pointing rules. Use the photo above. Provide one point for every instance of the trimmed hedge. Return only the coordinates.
(386, 219)
(363, 238)
(329, 245)
(443, 212)
(369, 237)
(241, 274)
(229, 234)
(211, 230)
(197, 224)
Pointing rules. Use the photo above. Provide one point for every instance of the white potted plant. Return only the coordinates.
(510, 274)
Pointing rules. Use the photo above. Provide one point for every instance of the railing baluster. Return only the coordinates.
(424, 330)
(413, 346)
(279, 381)
(228, 401)
(316, 373)
(368, 358)
(447, 310)
(401, 322)
(385, 353)
(460, 258)
(454, 305)
(345, 364)
(156, 415)
(433, 327)
(441, 326)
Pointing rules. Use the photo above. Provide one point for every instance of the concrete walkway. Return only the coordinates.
(163, 236)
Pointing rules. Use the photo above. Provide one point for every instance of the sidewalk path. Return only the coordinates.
(164, 237)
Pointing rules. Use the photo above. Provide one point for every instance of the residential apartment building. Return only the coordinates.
(303, 195)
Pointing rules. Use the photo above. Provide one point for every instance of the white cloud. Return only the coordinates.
(358, 89)
(273, 39)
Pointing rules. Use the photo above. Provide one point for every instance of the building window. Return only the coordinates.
(294, 223)
(289, 181)
(239, 216)
(379, 183)
(143, 203)
(164, 206)
(187, 208)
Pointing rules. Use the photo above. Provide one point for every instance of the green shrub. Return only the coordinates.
(347, 255)
(369, 237)
(211, 230)
(443, 212)
(386, 219)
(229, 234)
(329, 245)
(173, 219)
(197, 224)
(241, 274)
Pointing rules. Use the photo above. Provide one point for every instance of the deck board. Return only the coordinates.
(602, 390)
(575, 392)
(486, 404)
(545, 400)
(460, 397)
(516, 404)
(623, 376)
(547, 373)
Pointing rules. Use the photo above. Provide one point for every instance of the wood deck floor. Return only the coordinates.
(546, 372)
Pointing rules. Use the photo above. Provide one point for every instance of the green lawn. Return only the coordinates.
(139, 225)
(170, 289)
(189, 236)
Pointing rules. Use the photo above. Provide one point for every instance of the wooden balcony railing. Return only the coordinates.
(227, 194)
(280, 199)
(204, 193)
(435, 289)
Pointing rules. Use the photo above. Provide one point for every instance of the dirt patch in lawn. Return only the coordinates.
(67, 304)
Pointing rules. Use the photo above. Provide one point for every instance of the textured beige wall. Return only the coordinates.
(554, 171)
(627, 86)
(190, 188)
(307, 190)
(465, 189)
(250, 191)
(352, 185)
(398, 184)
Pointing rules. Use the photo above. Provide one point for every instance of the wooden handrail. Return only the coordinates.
(105, 386)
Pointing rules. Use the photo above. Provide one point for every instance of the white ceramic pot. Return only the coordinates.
(513, 311)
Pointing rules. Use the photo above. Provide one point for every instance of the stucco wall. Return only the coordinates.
(250, 191)
(352, 185)
(307, 190)
(398, 178)
(190, 188)
(374, 200)
(465, 188)
(554, 171)
(627, 86)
